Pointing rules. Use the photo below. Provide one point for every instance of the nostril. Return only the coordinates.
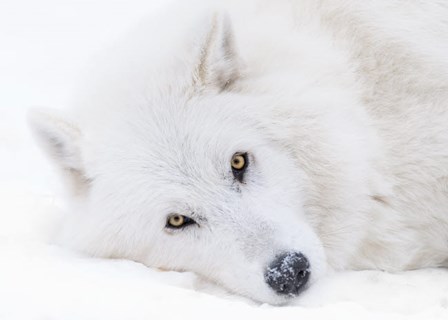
(288, 273)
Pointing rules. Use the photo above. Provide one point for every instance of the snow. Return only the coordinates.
(288, 274)
(43, 44)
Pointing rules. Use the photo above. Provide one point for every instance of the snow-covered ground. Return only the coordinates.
(43, 44)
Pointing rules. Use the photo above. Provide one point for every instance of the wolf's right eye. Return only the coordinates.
(177, 221)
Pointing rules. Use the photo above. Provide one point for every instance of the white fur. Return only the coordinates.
(341, 105)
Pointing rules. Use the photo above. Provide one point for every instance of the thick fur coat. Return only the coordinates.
(341, 108)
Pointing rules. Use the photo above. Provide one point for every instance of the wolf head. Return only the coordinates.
(177, 171)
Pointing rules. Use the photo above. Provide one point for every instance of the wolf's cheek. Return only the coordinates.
(250, 256)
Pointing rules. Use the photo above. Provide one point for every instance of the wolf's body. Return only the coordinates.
(342, 107)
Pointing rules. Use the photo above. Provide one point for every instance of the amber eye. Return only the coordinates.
(239, 164)
(238, 161)
(177, 221)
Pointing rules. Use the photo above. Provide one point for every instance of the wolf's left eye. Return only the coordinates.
(177, 221)
(239, 164)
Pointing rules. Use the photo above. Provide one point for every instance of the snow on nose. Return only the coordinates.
(288, 273)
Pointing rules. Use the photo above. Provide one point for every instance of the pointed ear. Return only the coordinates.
(59, 138)
(218, 65)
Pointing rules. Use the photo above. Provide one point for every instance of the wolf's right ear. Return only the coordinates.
(59, 138)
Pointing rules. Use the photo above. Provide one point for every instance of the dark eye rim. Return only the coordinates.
(187, 222)
(238, 174)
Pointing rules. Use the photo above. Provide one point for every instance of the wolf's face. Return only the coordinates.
(190, 181)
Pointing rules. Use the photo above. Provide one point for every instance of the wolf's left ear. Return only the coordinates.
(218, 64)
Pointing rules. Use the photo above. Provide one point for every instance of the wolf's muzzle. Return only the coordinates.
(288, 273)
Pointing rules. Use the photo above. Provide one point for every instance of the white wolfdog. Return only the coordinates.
(260, 143)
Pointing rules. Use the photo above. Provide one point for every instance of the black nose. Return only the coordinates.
(288, 273)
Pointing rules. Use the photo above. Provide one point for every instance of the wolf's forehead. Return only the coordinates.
(190, 126)
(181, 142)
(172, 138)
